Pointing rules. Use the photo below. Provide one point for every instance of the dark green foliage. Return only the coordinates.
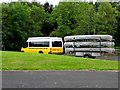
(117, 34)
(48, 8)
(21, 20)
(106, 23)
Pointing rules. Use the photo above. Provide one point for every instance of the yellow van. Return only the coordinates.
(45, 45)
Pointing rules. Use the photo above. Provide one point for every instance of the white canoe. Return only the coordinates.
(98, 37)
(108, 50)
(78, 44)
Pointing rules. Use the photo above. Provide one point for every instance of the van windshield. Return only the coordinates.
(39, 44)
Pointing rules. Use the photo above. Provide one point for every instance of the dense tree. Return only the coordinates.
(106, 19)
(1, 27)
(21, 20)
(61, 15)
(47, 25)
(117, 34)
(96, 5)
(85, 19)
(48, 8)
(74, 18)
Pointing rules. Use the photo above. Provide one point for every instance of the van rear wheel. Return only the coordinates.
(41, 52)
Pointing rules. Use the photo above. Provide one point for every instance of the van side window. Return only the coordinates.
(56, 44)
(39, 44)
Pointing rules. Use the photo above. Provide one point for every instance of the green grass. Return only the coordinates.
(36, 61)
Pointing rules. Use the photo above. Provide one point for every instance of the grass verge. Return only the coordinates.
(36, 61)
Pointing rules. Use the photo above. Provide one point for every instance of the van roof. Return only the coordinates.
(37, 39)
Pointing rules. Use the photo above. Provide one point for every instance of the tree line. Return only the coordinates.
(21, 20)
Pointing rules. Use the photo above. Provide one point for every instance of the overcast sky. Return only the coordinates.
(54, 2)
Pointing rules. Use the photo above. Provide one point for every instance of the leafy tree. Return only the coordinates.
(48, 8)
(74, 18)
(117, 34)
(61, 18)
(106, 22)
(10, 29)
(96, 5)
(20, 21)
(47, 25)
(1, 27)
(85, 19)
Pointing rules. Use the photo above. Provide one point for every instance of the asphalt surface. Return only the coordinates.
(59, 79)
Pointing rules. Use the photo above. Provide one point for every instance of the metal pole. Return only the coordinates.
(100, 45)
(74, 46)
(28, 44)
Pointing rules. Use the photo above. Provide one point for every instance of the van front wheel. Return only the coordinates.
(41, 52)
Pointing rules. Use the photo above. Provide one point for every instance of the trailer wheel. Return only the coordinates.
(87, 56)
(70, 53)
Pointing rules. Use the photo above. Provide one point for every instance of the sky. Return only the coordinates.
(53, 2)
